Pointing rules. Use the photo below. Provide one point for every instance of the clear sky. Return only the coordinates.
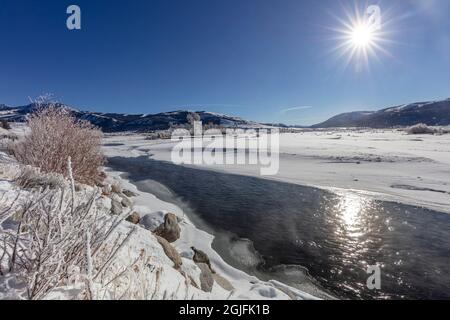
(264, 60)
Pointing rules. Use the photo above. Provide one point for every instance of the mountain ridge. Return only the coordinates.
(119, 122)
(432, 113)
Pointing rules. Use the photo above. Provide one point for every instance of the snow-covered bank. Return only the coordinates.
(385, 164)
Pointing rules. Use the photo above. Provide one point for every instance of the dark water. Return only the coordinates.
(333, 236)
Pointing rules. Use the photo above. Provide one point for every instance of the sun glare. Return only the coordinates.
(360, 41)
(362, 36)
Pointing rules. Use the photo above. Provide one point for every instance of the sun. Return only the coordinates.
(358, 40)
(362, 36)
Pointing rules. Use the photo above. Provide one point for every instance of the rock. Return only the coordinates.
(104, 202)
(116, 188)
(126, 202)
(115, 196)
(129, 193)
(193, 283)
(265, 291)
(169, 229)
(170, 252)
(102, 175)
(134, 218)
(224, 283)
(189, 278)
(116, 207)
(201, 257)
(151, 221)
(206, 277)
(106, 189)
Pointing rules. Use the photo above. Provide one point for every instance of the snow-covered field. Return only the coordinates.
(386, 164)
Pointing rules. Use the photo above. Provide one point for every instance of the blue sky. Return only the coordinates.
(265, 60)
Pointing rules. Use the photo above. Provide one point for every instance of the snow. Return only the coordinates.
(3, 132)
(408, 106)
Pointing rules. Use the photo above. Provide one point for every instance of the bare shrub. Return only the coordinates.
(420, 128)
(191, 118)
(6, 135)
(164, 134)
(55, 135)
(214, 127)
(443, 130)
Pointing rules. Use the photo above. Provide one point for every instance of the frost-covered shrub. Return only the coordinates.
(420, 128)
(443, 130)
(192, 117)
(6, 137)
(30, 178)
(56, 135)
(57, 239)
(164, 134)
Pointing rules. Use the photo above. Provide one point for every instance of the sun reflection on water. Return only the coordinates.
(351, 206)
(351, 210)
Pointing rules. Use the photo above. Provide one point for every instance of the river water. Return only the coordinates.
(305, 236)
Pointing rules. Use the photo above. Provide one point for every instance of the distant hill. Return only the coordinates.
(286, 126)
(118, 122)
(434, 113)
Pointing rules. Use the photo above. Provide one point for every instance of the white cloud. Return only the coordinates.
(287, 110)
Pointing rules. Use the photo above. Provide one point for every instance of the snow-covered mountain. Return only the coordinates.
(433, 113)
(117, 122)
